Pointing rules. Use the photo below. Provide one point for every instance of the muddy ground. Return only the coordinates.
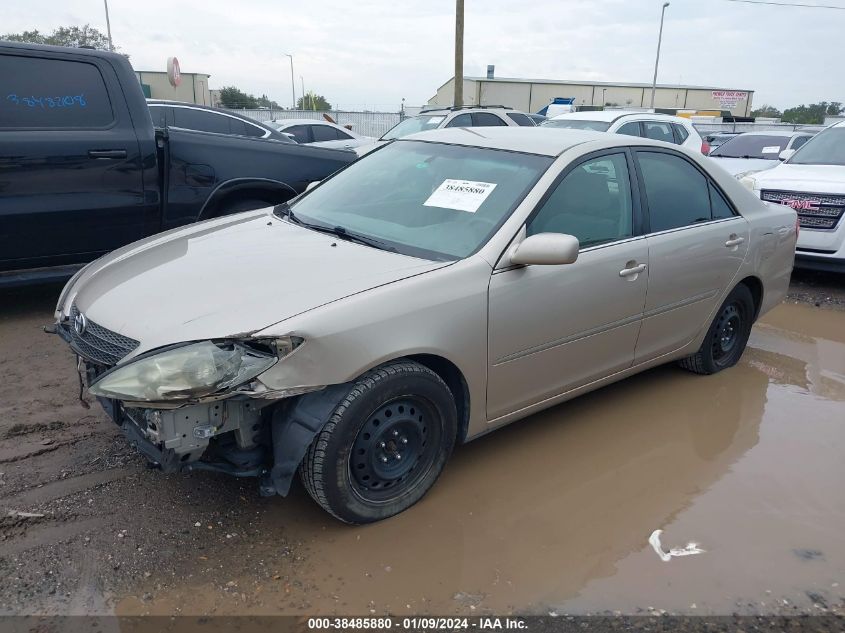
(551, 515)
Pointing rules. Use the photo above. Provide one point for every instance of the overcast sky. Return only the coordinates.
(372, 53)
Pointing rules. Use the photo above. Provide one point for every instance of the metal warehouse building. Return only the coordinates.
(530, 95)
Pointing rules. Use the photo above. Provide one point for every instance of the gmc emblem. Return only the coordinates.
(802, 205)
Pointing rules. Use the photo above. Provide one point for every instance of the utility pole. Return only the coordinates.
(657, 60)
(459, 53)
(108, 25)
(302, 81)
(292, 84)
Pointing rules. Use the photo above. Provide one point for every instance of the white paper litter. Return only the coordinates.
(689, 550)
(771, 149)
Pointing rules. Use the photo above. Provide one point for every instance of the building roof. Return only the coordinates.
(530, 140)
(587, 82)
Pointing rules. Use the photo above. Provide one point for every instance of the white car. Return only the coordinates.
(750, 152)
(659, 127)
(812, 181)
(457, 116)
(320, 133)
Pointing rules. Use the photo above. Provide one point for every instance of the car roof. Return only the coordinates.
(612, 115)
(530, 140)
(302, 121)
(448, 110)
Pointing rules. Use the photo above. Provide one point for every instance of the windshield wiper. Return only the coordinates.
(344, 234)
(338, 231)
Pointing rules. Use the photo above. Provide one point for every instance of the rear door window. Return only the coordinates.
(159, 116)
(485, 119)
(324, 133)
(720, 207)
(301, 133)
(462, 120)
(632, 128)
(659, 131)
(201, 120)
(254, 130)
(52, 93)
(520, 119)
(678, 194)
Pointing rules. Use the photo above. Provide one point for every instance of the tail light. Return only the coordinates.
(705, 148)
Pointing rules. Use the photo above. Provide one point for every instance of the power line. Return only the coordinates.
(790, 4)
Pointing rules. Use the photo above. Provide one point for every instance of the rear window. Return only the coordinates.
(52, 93)
(752, 146)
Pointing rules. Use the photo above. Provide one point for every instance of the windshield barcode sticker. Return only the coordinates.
(460, 195)
(771, 149)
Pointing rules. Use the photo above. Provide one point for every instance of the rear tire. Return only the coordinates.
(727, 337)
(384, 445)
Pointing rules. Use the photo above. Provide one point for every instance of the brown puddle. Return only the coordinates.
(554, 513)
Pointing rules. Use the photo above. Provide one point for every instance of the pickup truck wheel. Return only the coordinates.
(728, 334)
(384, 445)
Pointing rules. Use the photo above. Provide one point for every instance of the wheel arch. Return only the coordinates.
(756, 287)
(455, 380)
(273, 191)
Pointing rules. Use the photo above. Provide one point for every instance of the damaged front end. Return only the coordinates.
(199, 405)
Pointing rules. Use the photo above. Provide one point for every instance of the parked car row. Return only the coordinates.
(94, 174)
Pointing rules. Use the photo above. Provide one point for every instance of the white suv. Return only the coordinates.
(456, 116)
(812, 181)
(659, 127)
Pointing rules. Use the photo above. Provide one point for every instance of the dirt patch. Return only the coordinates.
(550, 515)
(818, 289)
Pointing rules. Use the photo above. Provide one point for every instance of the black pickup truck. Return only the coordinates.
(83, 171)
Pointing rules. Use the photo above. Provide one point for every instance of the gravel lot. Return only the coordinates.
(548, 516)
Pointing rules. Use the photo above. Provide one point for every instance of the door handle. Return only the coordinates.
(734, 241)
(634, 270)
(107, 153)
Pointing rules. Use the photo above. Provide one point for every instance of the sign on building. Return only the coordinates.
(729, 99)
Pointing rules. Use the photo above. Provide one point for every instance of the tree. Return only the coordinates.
(313, 101)
(231, 97)
(72, 36)
(767, 111)
(265, 102)
(813, 113)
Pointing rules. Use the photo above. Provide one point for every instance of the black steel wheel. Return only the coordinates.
(728, 334)
(384, 445)
(395, 447)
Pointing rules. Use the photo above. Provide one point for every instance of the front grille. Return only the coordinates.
(97, 343)
(815, 210)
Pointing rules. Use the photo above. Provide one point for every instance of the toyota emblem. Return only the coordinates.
(80, 323)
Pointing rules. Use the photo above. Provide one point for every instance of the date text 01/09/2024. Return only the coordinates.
(417, 623)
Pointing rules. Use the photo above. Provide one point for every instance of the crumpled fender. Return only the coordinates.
(293, 429)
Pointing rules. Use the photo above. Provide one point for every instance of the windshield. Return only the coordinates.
(414, 124)
(826, 148)
(577, 124)
(428, 200)
(752, 146)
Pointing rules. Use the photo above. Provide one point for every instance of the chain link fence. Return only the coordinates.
(367, 123)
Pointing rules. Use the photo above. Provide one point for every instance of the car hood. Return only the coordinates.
(736, 166)
(228, 278)
(809, 178)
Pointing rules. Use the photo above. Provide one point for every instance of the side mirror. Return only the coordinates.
(311, 185)
(786, 154)
(549, 249)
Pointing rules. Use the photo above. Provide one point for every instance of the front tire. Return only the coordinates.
(727, 337)
(384, 445)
